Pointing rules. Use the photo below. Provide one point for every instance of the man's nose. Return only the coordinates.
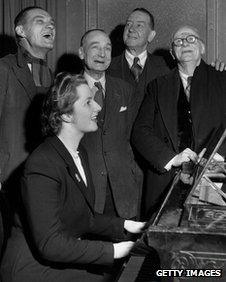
(50, 25)
(101, 52)
(184, 42)
(131, 28)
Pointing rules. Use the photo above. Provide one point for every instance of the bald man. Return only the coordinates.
(116, 176)
(179, 114)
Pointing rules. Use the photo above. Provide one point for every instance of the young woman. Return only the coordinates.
(58, 197)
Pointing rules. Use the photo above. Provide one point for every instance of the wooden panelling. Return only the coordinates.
(212, 30)
(70, 18)
(206, 15)
(168, 16)
(221, 38)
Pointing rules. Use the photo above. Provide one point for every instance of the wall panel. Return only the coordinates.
(221, 38)
(168, 16)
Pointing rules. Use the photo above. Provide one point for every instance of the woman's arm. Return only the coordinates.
(41, 188)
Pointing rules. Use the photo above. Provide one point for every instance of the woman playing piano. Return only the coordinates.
(55, 241)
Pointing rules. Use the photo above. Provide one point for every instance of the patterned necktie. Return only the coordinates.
(99, 95)
(188, 87)
(40, 71)
(136, 69)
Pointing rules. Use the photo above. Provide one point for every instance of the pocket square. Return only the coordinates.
(122, 109)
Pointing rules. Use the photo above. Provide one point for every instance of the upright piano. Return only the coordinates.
(189, 231)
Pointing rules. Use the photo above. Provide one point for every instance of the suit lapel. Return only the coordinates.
(168, 104)
(112, 102)
(73, 171)
(85, 165)
(149, 68)
(24, 76)
(126, 73)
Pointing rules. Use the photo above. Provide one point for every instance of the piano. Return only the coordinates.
(189, 230)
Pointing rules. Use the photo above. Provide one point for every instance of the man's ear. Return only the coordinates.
(66, 118)
(20, 31)
(151, 35)
(203, 49)
(81, 53)
(172, 53)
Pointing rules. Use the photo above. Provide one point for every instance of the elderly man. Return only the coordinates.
(136, 65)
(116, 176)
(179, 114)
(24, 78)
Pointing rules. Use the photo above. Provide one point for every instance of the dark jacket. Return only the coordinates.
(20, 131)
(19, 113)
(110, 154)
(154, 66)
(58, 218)
(155, 131)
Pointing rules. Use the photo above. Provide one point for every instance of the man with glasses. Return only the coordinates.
(136, 65)
(179, 114)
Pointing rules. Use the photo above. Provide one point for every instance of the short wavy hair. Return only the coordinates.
(59, 101)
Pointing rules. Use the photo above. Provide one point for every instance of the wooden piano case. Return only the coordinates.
(189, 233)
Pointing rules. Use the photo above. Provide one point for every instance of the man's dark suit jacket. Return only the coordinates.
(110, 153)
(155, 131)
(20, 132)
(58, 217)
(154, 66)
(19, 106)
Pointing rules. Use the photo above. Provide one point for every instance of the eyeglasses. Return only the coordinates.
(191, 39)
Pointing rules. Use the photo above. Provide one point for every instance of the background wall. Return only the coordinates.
(74, 17)
(168, 15)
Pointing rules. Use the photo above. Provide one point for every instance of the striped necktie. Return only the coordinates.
(188, 87)
(99, 95)
(136, 69)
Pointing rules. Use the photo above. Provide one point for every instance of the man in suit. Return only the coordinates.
(116, 176)
(138, 33)
(24, 78)
(180, 114)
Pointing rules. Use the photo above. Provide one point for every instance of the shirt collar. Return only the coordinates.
(91, 80)
(142, 57)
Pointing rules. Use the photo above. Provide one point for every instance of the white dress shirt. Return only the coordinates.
(91, 82)
(78, 163)
(142, 58)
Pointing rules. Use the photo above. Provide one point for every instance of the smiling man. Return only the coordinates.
(179, 115)
(117, 178)
(139, 32)
(24, 79)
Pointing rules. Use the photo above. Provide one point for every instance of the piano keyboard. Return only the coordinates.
(139, 269)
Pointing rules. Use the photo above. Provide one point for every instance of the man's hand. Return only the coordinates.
(122, 249)
(185, 156)
(218, 65)
(134, 226)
